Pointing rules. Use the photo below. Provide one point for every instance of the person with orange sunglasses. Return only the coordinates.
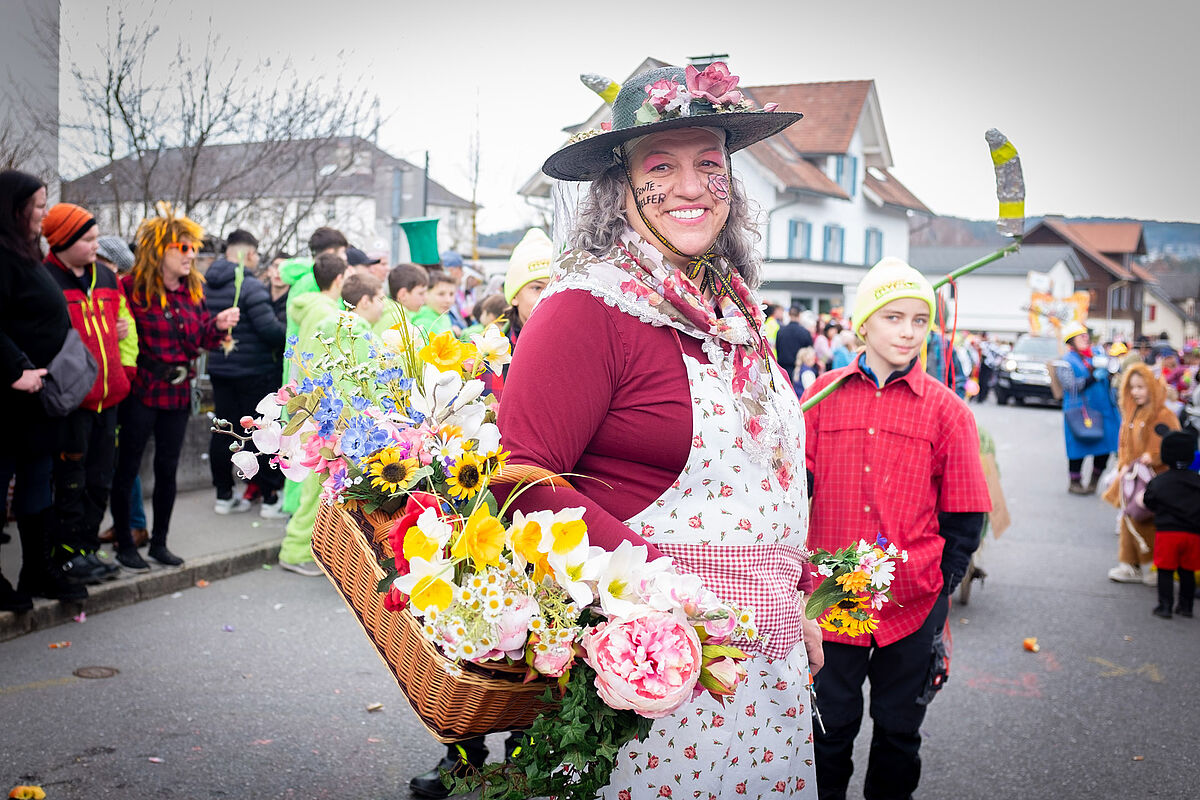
(174, 326)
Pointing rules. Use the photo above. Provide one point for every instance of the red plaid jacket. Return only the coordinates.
(888, 460)
(174, 334)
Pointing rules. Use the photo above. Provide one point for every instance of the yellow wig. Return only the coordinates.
(153, 236)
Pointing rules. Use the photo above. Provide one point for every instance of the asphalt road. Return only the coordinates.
(258, 686)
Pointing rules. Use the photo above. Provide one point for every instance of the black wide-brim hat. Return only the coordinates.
(591, 154)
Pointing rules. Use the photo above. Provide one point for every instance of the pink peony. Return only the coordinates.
(648, 663)
(714, 84)
(554, 661)
(512, 629)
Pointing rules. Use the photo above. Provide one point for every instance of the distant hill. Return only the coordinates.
(1178, 239)
(504, 240)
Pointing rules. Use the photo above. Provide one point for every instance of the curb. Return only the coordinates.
(136, 588)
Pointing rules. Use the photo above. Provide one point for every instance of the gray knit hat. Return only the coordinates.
(114, 249)
(663, 99)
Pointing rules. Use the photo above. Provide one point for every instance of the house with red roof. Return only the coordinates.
(1117, 284)
(829, 205)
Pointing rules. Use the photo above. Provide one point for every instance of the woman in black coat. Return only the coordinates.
(33, 325)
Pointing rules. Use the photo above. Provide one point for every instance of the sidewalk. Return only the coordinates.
(211, 546)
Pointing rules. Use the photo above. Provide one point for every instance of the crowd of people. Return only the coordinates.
(674, 385)
(136, 318)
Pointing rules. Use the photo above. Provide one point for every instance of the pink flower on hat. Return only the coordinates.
(715, 84)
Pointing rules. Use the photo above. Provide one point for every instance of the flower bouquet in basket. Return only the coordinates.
(857, 581)
(398, 427)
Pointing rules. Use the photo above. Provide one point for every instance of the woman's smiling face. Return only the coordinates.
(681, 182)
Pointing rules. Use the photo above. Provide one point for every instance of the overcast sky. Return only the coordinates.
(1099, 97)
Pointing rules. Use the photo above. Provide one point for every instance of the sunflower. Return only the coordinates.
(389, 472)
(494, 461)
(466, 477)
(850, 617)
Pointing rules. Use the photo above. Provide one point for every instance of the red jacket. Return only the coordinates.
(94, 301)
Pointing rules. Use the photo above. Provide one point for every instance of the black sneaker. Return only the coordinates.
(132, 561)
(80, 569)
(1183, 612)
(1162, 610)
(164, 556)
(104, 565)
(430, 783)
(51, 584)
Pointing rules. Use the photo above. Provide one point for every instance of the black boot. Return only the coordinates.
(38, 576)
(1166, 593)
(430, 783)
(1187, 593)
(11, 599)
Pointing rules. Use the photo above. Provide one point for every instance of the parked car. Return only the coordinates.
(1025, 372)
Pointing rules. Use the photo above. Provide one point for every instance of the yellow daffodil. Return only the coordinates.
(427, 538)
(389, 472)
(426, 586)
(444, 351)
(566, 533)
(465, 478)
(525, 538)
(482, 539)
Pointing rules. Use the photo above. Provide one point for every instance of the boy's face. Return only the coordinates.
(894, 333)
(371, 308)
(441, 297)
(412, 299)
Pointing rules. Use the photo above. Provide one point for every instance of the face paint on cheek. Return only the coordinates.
(719, 186)
(648, 194)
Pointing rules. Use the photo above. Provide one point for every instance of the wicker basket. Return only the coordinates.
(476, 701)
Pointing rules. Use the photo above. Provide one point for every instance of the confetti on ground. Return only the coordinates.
(59, 645)
(255, 524)
(266, 566)
(228, 629)
(373, 740)
(155, 760)
(201, 583)
(177, 595)
(375, 707)
(278, 606)
(965, 621)
(263, 741)
(1031, 644)
(81, 616)
(1128, 638)
(1139, 758)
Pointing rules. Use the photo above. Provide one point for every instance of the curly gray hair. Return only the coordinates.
(602, 220)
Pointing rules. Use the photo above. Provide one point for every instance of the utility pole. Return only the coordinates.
(425, 188)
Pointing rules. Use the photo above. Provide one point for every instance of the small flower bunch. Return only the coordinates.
(713, 86)
(857, 581)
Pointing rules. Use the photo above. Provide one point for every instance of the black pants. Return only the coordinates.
(83, 474)
(138, 423)
(1075, 465)
(234, 398)
(898, 673)
(986, 374)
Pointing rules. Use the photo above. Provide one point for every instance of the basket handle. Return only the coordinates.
(513, 474)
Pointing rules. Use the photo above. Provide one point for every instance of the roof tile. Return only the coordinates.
(831, 111)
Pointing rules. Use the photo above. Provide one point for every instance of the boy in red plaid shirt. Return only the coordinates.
(894, 452)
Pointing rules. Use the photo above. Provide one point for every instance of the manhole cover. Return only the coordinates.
(95, 672)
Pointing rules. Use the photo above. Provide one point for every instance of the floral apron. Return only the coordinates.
(728, 520)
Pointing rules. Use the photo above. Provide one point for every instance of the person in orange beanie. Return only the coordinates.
(85, 452)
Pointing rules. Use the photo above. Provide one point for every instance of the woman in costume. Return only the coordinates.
(1086, 387)
(166, 297)
(646, 371)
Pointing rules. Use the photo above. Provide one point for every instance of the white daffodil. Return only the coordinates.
(576, 572)
(494, 348)
(427, 584)
(621, 574)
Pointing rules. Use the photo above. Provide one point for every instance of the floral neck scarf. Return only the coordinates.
(634, 278)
